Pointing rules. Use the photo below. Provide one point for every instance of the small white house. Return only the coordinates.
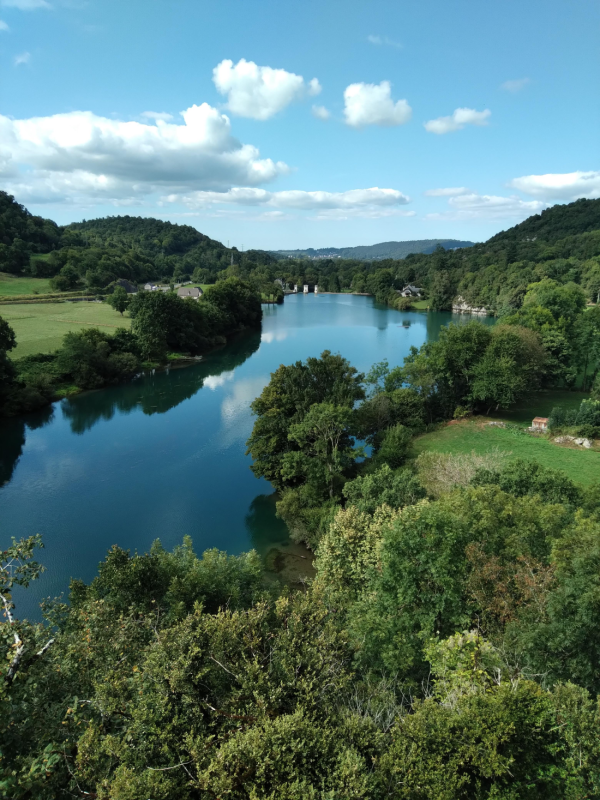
(150, 287)
(190, 291)
(411, 291)
(306, 288)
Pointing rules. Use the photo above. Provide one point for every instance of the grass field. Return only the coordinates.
(40, 328)
(582, 466)
(11, 285)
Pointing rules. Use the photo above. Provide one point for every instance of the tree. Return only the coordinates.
(119, 300)
(8, 341)
(17, 568)
(499, 743)
(442, 292)
(325, 447)
(384, 486)
(286, 400)
(511, 365)
(92, 358)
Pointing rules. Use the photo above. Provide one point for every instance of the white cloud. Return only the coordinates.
(488, 207)
(338, 214)
(156, 115)
(354, 200)
(22, 58)
(449, 192)
(259, 92)
(320, 112)
(79, 157)
(381, 40)
(3, 26)
(26, 5)
(213, 382)
(372, 104)
(559, 186)
(314, 87)
(457, 120)
(516, 85)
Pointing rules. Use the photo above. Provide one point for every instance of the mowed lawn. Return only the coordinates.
(40, 327)
(582, 466)
(11, 285)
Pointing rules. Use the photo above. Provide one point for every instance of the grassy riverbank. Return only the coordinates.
(40, 328)
(475, 435)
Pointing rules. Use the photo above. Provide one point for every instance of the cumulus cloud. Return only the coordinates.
(449, 192)
(516, 85)
(372, 104)
(3, 26)
(26, 5)
(79, 157)
(488, 207)
(22, 58)
(383, 40)
(559, 186)
(457, 120)
(259, 92)
(320, 112)
(156, 115)
(353, 199)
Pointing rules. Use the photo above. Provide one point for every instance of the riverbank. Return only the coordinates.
(163, 455)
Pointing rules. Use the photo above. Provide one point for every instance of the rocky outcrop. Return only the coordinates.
(460, 306)
(582, 442)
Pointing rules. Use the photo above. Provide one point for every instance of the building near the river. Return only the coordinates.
(190, 291)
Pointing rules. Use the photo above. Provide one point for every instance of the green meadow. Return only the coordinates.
(40, 327)
(11, 285)
(473, 435)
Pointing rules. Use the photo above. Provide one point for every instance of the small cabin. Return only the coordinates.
(150, 287)
(539, 424)
(190, 291)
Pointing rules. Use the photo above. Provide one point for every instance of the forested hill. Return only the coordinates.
(376, 252)
(561, 244)
(93, 253)
(554, 223)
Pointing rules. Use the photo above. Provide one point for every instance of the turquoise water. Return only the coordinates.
(164, 455)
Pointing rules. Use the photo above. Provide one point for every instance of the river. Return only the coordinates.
(164, 455)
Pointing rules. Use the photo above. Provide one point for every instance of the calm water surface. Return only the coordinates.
(164, 455)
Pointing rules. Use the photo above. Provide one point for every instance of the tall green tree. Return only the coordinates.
(119, 300)
(287, 399)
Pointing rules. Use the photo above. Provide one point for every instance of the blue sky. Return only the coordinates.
(304, 124)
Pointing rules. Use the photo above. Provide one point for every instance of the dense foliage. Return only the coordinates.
(447, 649)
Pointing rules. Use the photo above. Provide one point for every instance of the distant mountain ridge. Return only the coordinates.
(376, 252)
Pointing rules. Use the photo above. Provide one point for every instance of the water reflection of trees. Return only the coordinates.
(159, 391)
(264, 528)
(12, 439)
